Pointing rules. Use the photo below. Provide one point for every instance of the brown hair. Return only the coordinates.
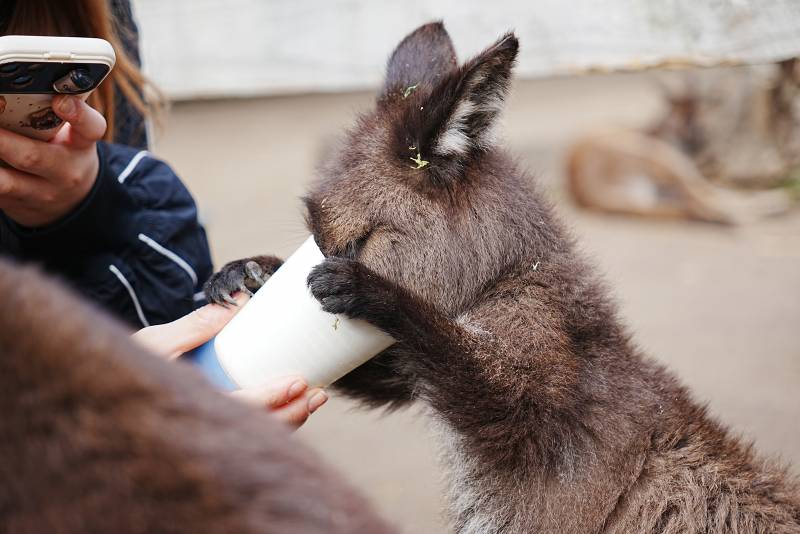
(89, 18)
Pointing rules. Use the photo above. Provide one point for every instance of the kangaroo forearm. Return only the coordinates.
(378, 382)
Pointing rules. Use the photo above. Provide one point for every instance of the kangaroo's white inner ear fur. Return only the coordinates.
(453, 140)
(473, 122)
(456, 138)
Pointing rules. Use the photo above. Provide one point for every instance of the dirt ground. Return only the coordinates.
(720, 306)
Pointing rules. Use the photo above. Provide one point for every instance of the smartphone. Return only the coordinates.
(34, 69)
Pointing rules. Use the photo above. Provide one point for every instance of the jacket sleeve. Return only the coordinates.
(134, 245)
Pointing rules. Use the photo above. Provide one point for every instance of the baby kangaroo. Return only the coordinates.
(550, 419)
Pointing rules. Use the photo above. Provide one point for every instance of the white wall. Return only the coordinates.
(244, 47)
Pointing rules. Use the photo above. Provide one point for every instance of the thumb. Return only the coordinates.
(190, 331)
(87, 125)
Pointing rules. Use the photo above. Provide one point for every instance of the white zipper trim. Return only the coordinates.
(152, 243)
(132, 165)
(131, 292)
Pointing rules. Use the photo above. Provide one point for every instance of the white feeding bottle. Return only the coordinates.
(283, 331)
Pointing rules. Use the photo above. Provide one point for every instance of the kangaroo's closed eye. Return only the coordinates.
(355, 246)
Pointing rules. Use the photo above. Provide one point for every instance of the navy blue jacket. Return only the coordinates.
(134, 245)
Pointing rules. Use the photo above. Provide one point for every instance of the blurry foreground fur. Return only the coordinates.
(97, 435)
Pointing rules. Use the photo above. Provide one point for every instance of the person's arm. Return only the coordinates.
(132, 242)
(134, 245)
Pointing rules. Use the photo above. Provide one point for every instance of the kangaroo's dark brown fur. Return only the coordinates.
(97, 435)
(551, 420)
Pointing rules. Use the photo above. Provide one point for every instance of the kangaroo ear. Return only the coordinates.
(457, 120)
(424, 58)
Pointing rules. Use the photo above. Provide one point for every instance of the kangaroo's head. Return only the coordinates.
(417, 190)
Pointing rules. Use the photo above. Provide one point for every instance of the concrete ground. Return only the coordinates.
(720, 306)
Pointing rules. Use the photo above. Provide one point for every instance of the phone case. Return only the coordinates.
(34, 69)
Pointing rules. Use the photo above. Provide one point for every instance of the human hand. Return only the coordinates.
(287, 398)
(170, 340)
(46, 180)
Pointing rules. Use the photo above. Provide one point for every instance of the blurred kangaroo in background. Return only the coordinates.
(98, 436)
(551, 419)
